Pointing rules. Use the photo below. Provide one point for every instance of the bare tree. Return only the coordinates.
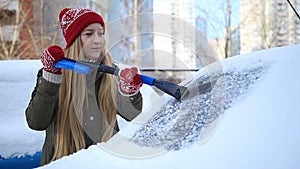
(39, 26)
(25, 30)
(126, 28)
(228, 35)
(8, 31)
(219, 17)
(268, 24)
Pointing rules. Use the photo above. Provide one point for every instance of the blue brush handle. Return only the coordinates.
(72, 65)
(147, 80)
(85, 69)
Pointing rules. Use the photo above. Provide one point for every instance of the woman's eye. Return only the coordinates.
(88, 34)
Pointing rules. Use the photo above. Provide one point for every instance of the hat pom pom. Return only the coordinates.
(61, 14)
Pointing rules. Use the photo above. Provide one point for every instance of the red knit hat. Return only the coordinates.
(74, 20)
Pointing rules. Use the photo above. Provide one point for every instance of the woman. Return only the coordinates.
(80, 110)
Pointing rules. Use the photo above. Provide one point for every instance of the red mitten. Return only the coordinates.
(49, 56)
(130, 81)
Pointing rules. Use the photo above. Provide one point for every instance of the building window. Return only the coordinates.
(7, 17)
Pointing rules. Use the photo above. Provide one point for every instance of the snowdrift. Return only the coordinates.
(256, 125)
(250, 119)
(19, 146)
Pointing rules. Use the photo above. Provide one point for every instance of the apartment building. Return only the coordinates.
(267, 24)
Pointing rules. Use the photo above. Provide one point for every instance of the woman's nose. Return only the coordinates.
(97, 38)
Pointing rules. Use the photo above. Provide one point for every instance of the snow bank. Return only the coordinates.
(259, 129)
(17, 80)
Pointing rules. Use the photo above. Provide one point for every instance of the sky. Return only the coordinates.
(213, 11)
(251, 119)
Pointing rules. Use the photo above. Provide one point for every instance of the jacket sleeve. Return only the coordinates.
(130, 107)
(43, 104)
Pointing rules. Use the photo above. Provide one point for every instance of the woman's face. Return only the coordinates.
(92, 38)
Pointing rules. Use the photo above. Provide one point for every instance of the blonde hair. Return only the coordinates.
(69, 133)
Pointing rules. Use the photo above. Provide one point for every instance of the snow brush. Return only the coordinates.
(170, 88)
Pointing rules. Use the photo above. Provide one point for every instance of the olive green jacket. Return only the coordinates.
(41, 113)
